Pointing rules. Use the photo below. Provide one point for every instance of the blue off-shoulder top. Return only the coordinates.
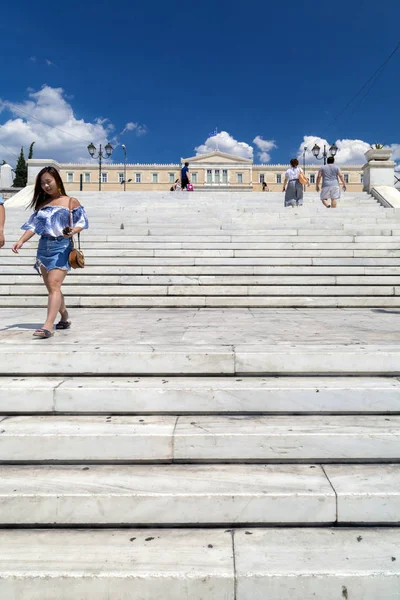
(51, 220)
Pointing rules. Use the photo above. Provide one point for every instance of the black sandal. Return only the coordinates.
(63, 325)
(43, 334)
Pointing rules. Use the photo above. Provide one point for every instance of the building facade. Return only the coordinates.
(215, 171)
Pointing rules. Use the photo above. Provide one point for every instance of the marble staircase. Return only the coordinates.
(233, 452)
(204, 250)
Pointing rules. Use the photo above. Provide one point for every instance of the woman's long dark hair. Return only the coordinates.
(39, 195)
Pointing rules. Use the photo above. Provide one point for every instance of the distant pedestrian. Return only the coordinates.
(265, 187)
(292, 187)
(330, 175)
(185, 176)
(2, 221)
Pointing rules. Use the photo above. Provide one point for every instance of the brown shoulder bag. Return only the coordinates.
(76, 257)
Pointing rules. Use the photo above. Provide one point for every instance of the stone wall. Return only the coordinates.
(9, 192)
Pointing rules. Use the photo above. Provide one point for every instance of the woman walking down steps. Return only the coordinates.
(51, 220)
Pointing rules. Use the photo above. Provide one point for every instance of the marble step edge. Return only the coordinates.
(179, 495)
(53, 358)
(200, 439)
(235, 564)
(209, 290)
(208, 301)
(205, 395)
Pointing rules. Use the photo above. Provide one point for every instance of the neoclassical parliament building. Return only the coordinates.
(215, 171)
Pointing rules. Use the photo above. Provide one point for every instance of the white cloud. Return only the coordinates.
(225, 143)
(48, 119)
(264, 147)
(49, 63)
(136, 127)
(396, 154)
(32, 58)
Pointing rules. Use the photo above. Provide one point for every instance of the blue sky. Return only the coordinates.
(160, 76)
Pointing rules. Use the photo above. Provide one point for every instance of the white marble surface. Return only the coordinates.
(279, 438)
(199, 395)
(328, 564)
(366, 493)
(117, 564)
(98, 438)
(162, 495)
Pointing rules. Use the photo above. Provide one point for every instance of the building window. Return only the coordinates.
(216, 176)
(262, 178)
(155, 177)
(362, 178)
(346, 177)
(104, 178)
(225, 176)
(138, 178)
(70, 177)
(172, 177)
(87, 177)
(278, 178)
(312, 177)
(194, 177)
(239, 177)
(121, 177)
(209, 176)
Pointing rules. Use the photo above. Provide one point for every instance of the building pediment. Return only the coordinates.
(217, 157)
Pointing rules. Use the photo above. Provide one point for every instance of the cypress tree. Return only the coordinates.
(30, 155)
(21, 171)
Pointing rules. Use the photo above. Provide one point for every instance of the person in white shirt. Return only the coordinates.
(292, 187)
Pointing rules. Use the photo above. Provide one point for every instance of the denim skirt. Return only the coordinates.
(53, 253)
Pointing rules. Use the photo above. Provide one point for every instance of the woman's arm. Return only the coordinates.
(24, 238)
(80, 218)
(285, 183)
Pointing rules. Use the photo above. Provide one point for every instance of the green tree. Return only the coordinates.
(21, 171)
(30, 155)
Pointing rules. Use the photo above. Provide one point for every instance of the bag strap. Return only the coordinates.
(71, 224)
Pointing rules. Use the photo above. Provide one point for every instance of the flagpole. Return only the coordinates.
(216, 141)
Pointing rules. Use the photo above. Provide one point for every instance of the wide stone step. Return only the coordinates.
(114, 291)
(204, 301)
(128, 281)
(228, 439)
(208, 270)
(138, 495)
(193, 564)
(61, 356)
(203, 395)
(312, 259)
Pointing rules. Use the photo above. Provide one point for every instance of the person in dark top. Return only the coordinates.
(185, 176)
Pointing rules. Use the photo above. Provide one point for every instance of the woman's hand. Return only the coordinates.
(284, 189)
(69, 234)
(17, 246)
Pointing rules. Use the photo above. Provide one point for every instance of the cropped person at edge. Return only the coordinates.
(51, 220)
(2, 221)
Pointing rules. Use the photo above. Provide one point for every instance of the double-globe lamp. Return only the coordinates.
(332, 151)
(106, 153)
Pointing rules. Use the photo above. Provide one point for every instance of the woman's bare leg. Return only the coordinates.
(54, 280)
(63, 309)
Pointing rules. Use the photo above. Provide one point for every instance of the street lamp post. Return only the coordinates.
(106, 153)
(124, 149)
(332, 151)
